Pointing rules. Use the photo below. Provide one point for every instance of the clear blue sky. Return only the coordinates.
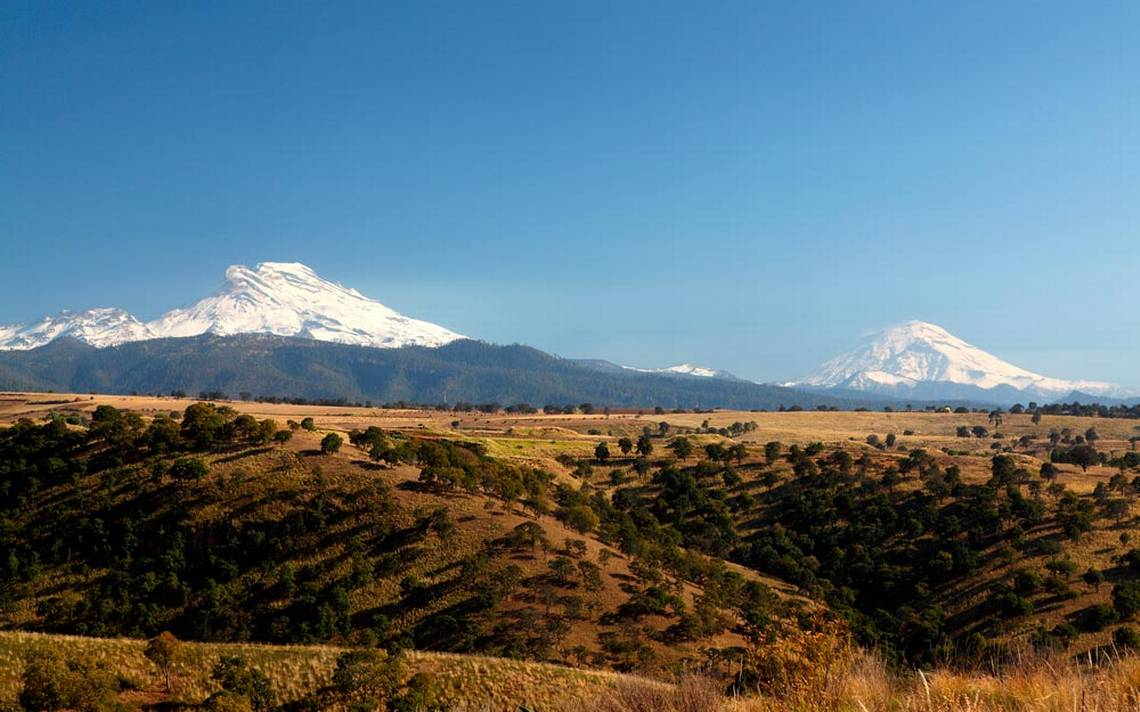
(744, 185)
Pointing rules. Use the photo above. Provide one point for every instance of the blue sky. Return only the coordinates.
(745, 185)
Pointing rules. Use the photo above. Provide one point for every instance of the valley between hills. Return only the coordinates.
(569, 560)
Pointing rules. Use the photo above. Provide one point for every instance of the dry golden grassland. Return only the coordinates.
(466, 681)
(867, 686)
(930, 429)
(850, 682)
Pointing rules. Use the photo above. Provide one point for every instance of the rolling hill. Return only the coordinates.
(464, 370)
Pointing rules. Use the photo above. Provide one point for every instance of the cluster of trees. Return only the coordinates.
(977, 431)
(1089, 410)
(735, 429)
(53, 682)
(846, 530)
(1084, 456)
(447, 465)
(120, 507)
(138, 514)
(890, 441)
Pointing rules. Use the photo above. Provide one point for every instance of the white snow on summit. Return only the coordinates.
(917, 352)
(684, 369)
(282, 298)
(289, 299)
(97, 327)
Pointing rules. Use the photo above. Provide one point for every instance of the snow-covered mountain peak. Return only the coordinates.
(104, 326)
(685, 369)
(692, 370)
(917, 353)
(282, 298)
(290, 299)
(268, 275)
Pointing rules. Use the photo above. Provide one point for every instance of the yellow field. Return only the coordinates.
(854, 683)
(549, 435)
(470, 682)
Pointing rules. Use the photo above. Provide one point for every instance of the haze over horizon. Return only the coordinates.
(744, 187)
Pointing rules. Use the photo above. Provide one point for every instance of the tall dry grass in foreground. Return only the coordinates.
(814, 677)
(1033, 685)
(467, 683)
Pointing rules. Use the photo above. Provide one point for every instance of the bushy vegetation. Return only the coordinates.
(209, 525)
(129, 512)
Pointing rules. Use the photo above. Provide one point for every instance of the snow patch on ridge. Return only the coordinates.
(684, 369)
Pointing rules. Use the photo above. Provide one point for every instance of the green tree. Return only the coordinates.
(682, 448)
(738, 452)
(1126, 598)
(331, 443)
(266, 430)
(45, 682)
(236, 676)
(421, 694)
(641, 467)
(1085, 456)
(772, 452)
(203, 424)
(1093, 577)
(644, 446)
(1003, 469)
(188, 468)
(51, 682)
(602, 452)
(163, 650)
(625, 445)
(581, 518)
(243, 428)
(368, 675)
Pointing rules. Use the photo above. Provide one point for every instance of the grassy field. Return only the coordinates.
(854, 682)
(468, 682)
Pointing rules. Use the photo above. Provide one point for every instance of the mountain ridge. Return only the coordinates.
(463, 370)
(912, 360)
(280, 298)
(920, 358)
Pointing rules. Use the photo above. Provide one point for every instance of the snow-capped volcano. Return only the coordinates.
(282, 298)
(926, 360)
(98, 327)
(685, 369)
(289, 299)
